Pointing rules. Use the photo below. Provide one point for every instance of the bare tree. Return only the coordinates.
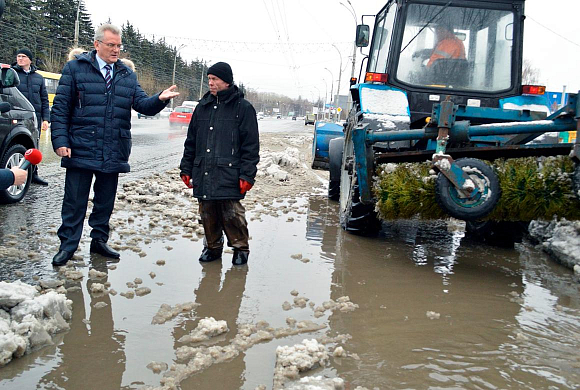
(530, 74)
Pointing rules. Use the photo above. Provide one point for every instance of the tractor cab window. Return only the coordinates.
(457, 48)
(382, 40)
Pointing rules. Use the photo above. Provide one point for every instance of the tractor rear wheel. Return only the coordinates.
(335, 147)
(464, 207)
(355, 216)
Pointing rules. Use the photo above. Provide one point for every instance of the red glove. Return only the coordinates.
(244, 186)
(187, 180)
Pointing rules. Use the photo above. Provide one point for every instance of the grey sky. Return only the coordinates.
(284, 46)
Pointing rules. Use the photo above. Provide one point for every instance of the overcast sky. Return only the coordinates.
(284, 46)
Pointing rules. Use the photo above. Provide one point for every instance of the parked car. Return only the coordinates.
(189, 103)
(181, 116)
(165, 112)
(278, 116)
(156, 116)
(18, 131)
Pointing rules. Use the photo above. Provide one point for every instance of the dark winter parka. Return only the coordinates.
(222, 145)
(6, 178)
(93, 123)
(33, 88)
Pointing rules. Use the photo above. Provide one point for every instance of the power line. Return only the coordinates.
(553, 32)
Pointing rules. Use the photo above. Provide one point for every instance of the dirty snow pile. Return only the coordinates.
(271, 163)
(559, 238)
(28, 319)
(290, 361)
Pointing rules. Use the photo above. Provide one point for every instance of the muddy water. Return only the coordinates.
(436, 310)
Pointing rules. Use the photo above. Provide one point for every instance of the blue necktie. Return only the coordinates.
(108, 77)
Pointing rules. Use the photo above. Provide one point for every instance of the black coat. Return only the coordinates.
(222, 145)
(33, 88)
(94, 123)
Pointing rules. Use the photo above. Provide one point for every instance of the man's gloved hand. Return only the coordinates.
(187, 180)
(244, 186)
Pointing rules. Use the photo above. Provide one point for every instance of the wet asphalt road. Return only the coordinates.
(507, 317)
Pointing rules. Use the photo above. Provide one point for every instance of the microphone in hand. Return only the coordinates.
(31, 157)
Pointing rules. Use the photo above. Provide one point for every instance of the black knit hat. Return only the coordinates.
(223, 71)
(26, 52)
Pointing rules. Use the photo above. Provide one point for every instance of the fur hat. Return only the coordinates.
(26, 52)
(223, 71)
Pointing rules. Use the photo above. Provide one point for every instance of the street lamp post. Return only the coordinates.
(353, 13)
(331, 90)
(325, 93)
(174, 65)
(337, 99)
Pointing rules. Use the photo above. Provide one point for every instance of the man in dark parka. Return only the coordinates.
(91, 131)
(33, 88)
(220, 159)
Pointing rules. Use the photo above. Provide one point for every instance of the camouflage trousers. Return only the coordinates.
(224, 216)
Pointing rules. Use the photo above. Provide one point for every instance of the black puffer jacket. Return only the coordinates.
(94, 123)
(222, 145)
(33, 88)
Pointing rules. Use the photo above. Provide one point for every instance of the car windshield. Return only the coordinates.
(184, 109)
(448, 47)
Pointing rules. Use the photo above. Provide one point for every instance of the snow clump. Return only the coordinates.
(206, 329)
(290, 361)
(28, 319)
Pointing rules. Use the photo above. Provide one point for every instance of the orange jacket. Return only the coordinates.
(448, 48)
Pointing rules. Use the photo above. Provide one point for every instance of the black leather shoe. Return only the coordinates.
(61, 258)
(240, 257)
(210, 255)
(102, 248)
(39, 180)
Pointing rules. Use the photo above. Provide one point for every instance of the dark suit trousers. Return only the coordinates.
(74, 205)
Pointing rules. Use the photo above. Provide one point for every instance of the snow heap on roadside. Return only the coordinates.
(28, 319)
(271, 163)
(559, 238)
(290, 361)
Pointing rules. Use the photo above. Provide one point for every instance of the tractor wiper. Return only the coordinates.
(427, 24)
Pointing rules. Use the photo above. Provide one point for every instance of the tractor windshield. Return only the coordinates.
(453, 47)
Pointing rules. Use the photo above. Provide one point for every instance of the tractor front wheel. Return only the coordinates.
(461, 206)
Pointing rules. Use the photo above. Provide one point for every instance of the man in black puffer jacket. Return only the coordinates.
(220, 159)
(91, 131)
(33, 88)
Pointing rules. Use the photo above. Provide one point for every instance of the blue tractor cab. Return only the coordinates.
(443, 82)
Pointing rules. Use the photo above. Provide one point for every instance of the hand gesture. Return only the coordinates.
(169, 93)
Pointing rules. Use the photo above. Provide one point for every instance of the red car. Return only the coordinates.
(180, 116)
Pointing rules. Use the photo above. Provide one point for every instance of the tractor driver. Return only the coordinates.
(448, 46)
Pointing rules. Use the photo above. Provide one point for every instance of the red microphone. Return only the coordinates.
(31, 157)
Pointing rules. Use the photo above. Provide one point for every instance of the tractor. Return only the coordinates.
(443, 83)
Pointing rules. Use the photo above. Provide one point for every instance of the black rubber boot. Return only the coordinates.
(38, 180)
(240, 257)
(210, 255)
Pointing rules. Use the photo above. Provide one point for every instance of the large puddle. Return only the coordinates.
(435, 310)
